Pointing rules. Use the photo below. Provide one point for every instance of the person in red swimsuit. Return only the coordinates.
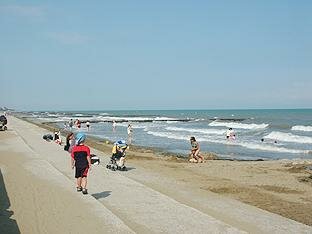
(80, 159)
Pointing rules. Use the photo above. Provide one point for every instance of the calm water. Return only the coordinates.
(170, 130)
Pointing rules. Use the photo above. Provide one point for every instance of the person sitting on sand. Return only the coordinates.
(194, 154)
(119, 153)
(80, 159)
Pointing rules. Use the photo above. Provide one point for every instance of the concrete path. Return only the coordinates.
(126, 204)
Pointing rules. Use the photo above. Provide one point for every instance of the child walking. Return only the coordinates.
(80, 159)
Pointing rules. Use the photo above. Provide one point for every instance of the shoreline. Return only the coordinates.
(100, 143)
(282, 186)
(94, 141)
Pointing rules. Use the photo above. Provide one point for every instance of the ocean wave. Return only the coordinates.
(249, 145)
(302, 128)
(238, 125)
(169, 135)
(172, 122)
(195, 130)
(272, 148)
(288, 137)
(165, 119)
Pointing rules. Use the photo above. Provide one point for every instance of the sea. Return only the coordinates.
(260, 134)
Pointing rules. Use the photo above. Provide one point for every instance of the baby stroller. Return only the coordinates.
(3, 123)
(117, 160)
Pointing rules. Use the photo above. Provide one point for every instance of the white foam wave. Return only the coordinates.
(288, 137)
(194, 130)
(169, 135)
(53, 115)
(272, 148)
(172, 122)
(165, 119)
(249, 145)
(135, 119)
(238, 125)
(302, 128)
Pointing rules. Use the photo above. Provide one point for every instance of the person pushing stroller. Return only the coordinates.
(118, 158)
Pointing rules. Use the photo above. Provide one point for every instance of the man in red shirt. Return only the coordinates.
(80, 159)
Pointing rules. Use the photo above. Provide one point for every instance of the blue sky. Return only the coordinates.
(103, 55)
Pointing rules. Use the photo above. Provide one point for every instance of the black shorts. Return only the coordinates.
(81, 172)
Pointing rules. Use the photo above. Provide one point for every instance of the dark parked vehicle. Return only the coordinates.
(3, 123)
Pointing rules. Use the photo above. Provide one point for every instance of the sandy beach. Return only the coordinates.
(157, 194)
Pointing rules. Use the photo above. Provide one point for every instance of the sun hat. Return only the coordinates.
(80, 138)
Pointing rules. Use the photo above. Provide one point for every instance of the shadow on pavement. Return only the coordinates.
(7, 225)
(101, 195)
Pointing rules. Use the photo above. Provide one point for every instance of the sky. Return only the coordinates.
(132, 54)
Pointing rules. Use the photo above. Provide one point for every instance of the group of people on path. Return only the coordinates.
(81, 158)
(80, 153)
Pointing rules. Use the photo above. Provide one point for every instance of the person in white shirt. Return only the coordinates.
(114, 125)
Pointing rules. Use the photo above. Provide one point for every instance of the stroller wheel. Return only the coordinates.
(107, 166)
(113, 168)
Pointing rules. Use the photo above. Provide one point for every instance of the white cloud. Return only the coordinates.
(69, 38)
(23, 11)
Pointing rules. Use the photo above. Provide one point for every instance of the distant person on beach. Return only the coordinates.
(129, 131)
(78, 123)
(194, 154)
(114, 125)
(71, 124)
(70, 142)
(57, 137)
(80, 159)
(88, 125)
(230, 134)
(275, 141)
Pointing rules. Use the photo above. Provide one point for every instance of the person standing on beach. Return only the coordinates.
(70, 142)
(114, 125)
(57, 137)
(230, 134)
(88, 125)
(80, 159)
(70, 124)
(194, 154)
(129, 131)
